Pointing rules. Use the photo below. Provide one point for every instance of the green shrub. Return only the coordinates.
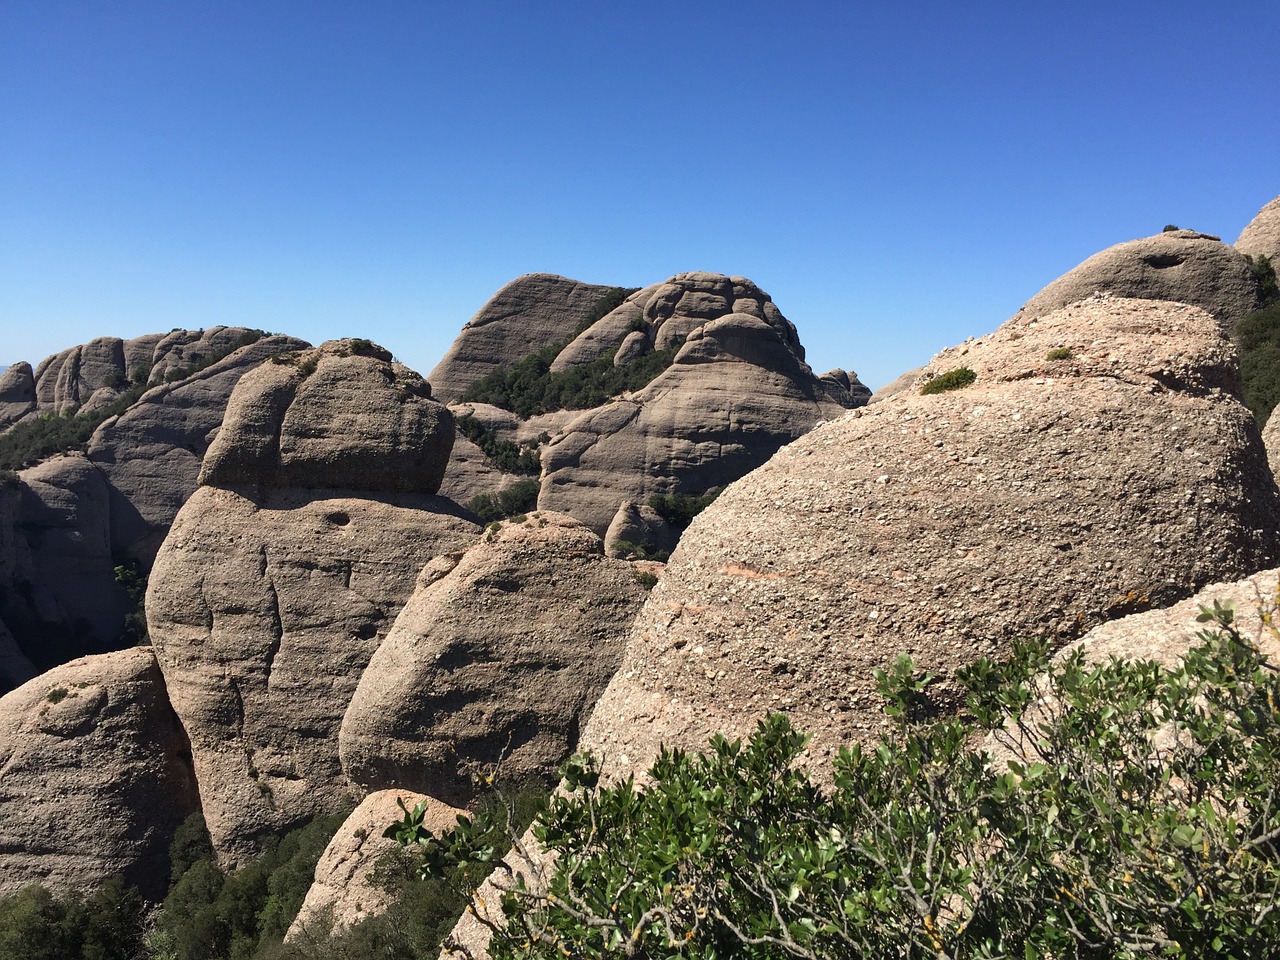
(1059, 353)
(1258, 340)
(951, 380)
(1264, 272)
(1134, 814)
(107, 924)
(679, 509)
(508, 456)
(511, 500)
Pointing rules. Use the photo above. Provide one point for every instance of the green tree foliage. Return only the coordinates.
(1133, 813)
(1264, 272)
(134, 580)
(1258, 339)
(511, 501)
(508, 456)
(679, 509)
(951, 380)
(105, 925)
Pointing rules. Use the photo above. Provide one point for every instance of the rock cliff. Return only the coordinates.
(1262, 236)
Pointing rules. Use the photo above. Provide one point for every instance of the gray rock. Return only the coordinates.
(602, 336)
(332, 418)
(17, 394)
(638, 525)
(735, 393)
(844, 387)
(499, 658)
(94, 777)
(634, 346)
(945, 526)
(1262, 236)
(529, 313)
(264, 612)
(1180, 265)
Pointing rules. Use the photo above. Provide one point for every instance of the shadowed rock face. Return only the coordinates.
(529, 313)
(17, 394)
(96, 777)
(275, 585)
(1180, 265)
(1262, 236)
(1047, 497)
(500, 657)
(735, 393)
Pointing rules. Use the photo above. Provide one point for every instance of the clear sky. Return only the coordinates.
(897, 176)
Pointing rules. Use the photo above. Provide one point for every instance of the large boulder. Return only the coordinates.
(1048, 497)
(736, 392)
(528, 314)
(1178, 265)
(17, 394)
(1261, 238)
(345, 889)
(342, 416)
(497, 658)
(95, 776)
(285, 570)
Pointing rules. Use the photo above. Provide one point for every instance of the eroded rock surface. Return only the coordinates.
(735, 393)
(1179, 265)
(501, 656)
(529, 313)
(17, 394)
(345, 891)
(275, 586)
(1046, 498)
(1262, 236)
(94, 777)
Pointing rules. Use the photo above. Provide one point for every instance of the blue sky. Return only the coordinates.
(898, 177)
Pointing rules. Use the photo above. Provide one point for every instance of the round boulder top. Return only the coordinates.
(1262, 236)
(343, 416)
(1179, 265)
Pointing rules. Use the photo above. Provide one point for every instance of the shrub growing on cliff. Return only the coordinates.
(951, 380)
(1134, 814)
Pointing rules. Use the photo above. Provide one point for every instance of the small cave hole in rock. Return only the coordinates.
(1161, 261)
(338, 518)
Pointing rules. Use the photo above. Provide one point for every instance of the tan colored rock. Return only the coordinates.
(528, 314)
(1179, 265)
(1042, 500)
(1262, 236)
(1271, 440)
(342, 416)
(94, 777)
(735, 393)
(344, 891)
(17, 394)
(264, 613)
(500, 658)
(638, 525)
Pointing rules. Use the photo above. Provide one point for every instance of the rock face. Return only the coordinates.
(1179, 265)
(1271, 440)
(638, 525)
(735, 393)
(94, 777)
(151, 453)
(529, 313)
(17, 394)
(501, 656)
(1262, 236)
(344, 891)
(946, 525)
(274, 588)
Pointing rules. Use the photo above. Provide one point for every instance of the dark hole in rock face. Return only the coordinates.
(339, 518)
(1161, 261)
(366, 631)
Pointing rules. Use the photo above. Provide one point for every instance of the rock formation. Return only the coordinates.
(95, 776)
(17, 394)
(1048, 497)
(345, 891)
(736, 392)
(1262, 236)
(529, 313)
(1179, 265)
(284, 571)
(497, 658)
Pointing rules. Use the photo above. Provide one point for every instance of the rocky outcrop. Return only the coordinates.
(946, 525)
(638, 525)
(1262, 236)
(345, 891)
(94, 777)
(150, 455)
(1178, 265)
(276, 585)
(528, 314)
(17, 394)
(499, 658)
(736, 392)
(1271, 440)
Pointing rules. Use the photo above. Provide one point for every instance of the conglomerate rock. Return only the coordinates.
(1048, 497)
(1262, 236)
